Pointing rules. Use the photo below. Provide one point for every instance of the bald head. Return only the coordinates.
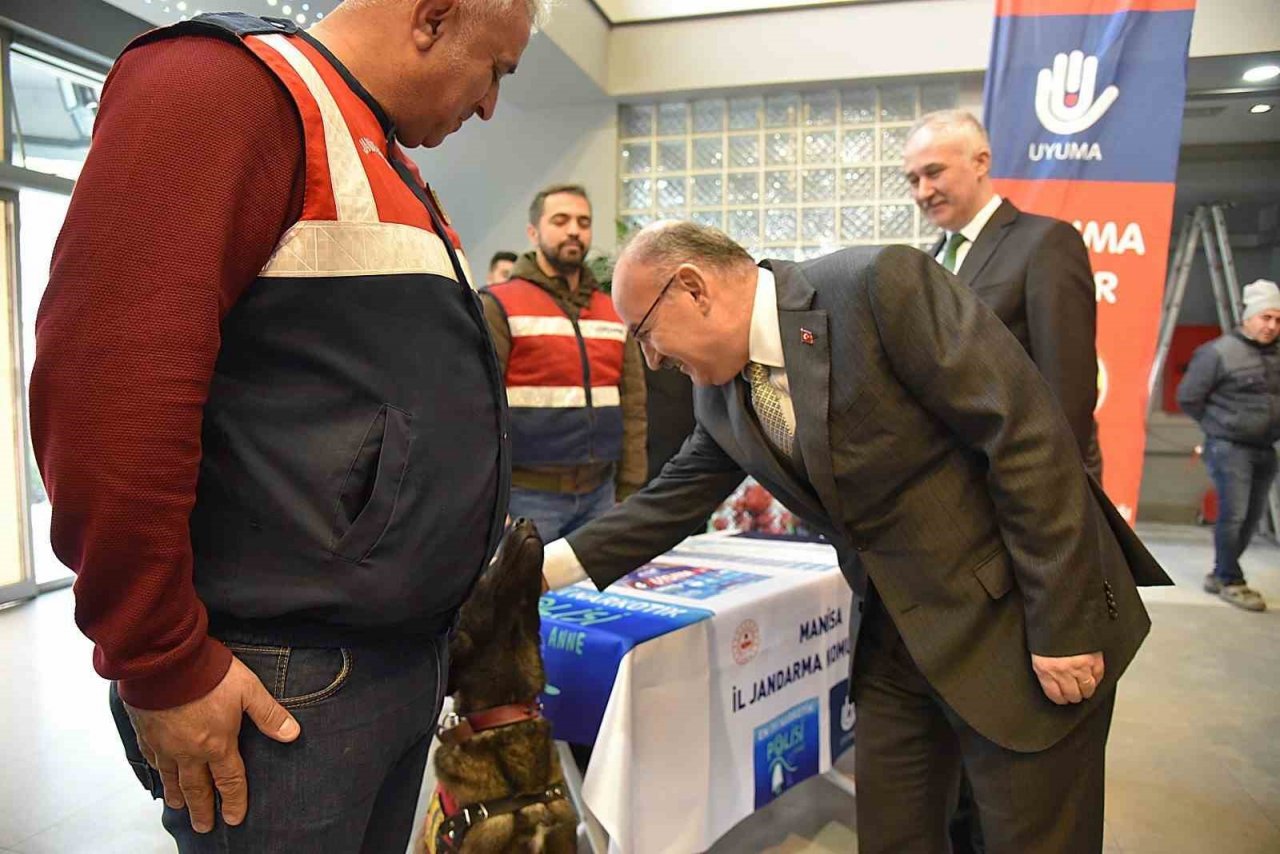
(686, 292)
(668, 243)
(947, 162)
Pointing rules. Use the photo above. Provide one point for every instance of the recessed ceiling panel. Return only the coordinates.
(305, 12)
(636, 11)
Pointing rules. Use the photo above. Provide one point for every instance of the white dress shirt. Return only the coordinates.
(560, 566)
(765, 343)
(970, 232)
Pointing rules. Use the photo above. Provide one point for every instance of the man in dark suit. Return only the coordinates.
(1032, 271)
(886, 406)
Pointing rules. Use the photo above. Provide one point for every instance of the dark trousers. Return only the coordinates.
(1242, 476)
(350, 782)
(910, 747)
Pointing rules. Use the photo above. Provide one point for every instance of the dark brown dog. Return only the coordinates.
(496, 674)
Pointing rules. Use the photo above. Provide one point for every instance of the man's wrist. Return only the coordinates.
(560, 566)
(188, 679)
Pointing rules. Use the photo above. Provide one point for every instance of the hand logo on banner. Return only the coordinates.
(1065, 102)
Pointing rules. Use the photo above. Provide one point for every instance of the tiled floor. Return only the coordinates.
(1194, 761)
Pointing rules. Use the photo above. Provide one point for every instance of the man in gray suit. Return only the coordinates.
(885, 405)
(1032, 271)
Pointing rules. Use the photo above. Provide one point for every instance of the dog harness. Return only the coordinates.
(447, 822)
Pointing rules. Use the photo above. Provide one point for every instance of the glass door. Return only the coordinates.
(17, 578)
(40, 216)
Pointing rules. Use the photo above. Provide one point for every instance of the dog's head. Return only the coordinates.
(495, 655)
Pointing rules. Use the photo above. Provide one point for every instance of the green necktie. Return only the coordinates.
(949, 254)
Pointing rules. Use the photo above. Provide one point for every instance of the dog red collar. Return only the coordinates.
(455, 729)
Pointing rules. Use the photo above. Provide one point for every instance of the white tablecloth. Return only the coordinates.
(708, 723)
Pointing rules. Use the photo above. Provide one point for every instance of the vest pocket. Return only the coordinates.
(368, 496)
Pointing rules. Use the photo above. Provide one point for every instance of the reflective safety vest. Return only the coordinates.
(563, 378)
(354, 472)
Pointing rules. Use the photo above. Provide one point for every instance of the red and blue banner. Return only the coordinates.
(1083, 103)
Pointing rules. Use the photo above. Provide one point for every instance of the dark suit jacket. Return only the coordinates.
(669, 402)
(939, 465)
(1033, 272)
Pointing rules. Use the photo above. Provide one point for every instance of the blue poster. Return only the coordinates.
(585, 634)
(1087, 97)
(842, 717)
(786, 751)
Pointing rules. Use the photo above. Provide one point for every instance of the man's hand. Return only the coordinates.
(195, 746)
(1070, 679)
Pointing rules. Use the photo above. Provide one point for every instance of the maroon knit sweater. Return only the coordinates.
(195, 171)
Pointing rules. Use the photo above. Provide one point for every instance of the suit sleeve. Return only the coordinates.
(1199, 381)
(659, 516)
(964, 367)
(633, 468)
(1062, 322)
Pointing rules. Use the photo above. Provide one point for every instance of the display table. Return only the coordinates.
(711, 680)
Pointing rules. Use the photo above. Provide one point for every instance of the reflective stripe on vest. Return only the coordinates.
(358, 217)
(563, 411)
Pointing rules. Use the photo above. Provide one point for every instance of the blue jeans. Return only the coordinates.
(559, 513)
(1242, 475)
(350, 782)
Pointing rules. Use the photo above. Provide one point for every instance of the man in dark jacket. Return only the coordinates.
(1232, 388)
(270, 421)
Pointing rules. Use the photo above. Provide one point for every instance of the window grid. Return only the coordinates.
(788, 175)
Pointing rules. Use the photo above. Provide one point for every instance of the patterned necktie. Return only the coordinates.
(949, 254)
(768, 406)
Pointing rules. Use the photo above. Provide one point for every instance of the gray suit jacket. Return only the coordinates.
(939, 466)
(1034, 273)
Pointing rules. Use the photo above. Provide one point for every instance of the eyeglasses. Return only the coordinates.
(636, 333)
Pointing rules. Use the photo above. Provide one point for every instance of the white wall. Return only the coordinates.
(863, 40)
(487, 173)
(553, 124)
(808, 45)
(583, 35)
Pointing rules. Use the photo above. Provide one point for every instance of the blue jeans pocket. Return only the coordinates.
(147, 776)
(297, 677)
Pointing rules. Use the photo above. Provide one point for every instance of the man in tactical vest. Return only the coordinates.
(268, 412)
(575, 381)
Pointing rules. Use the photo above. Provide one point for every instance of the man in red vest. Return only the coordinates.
(575, 381)
(268, 414)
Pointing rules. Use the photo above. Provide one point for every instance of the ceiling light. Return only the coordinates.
(271, 2)
(300, 18)
(1260, 108)
(287, 9)
(1262, 73)
(182, 5)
